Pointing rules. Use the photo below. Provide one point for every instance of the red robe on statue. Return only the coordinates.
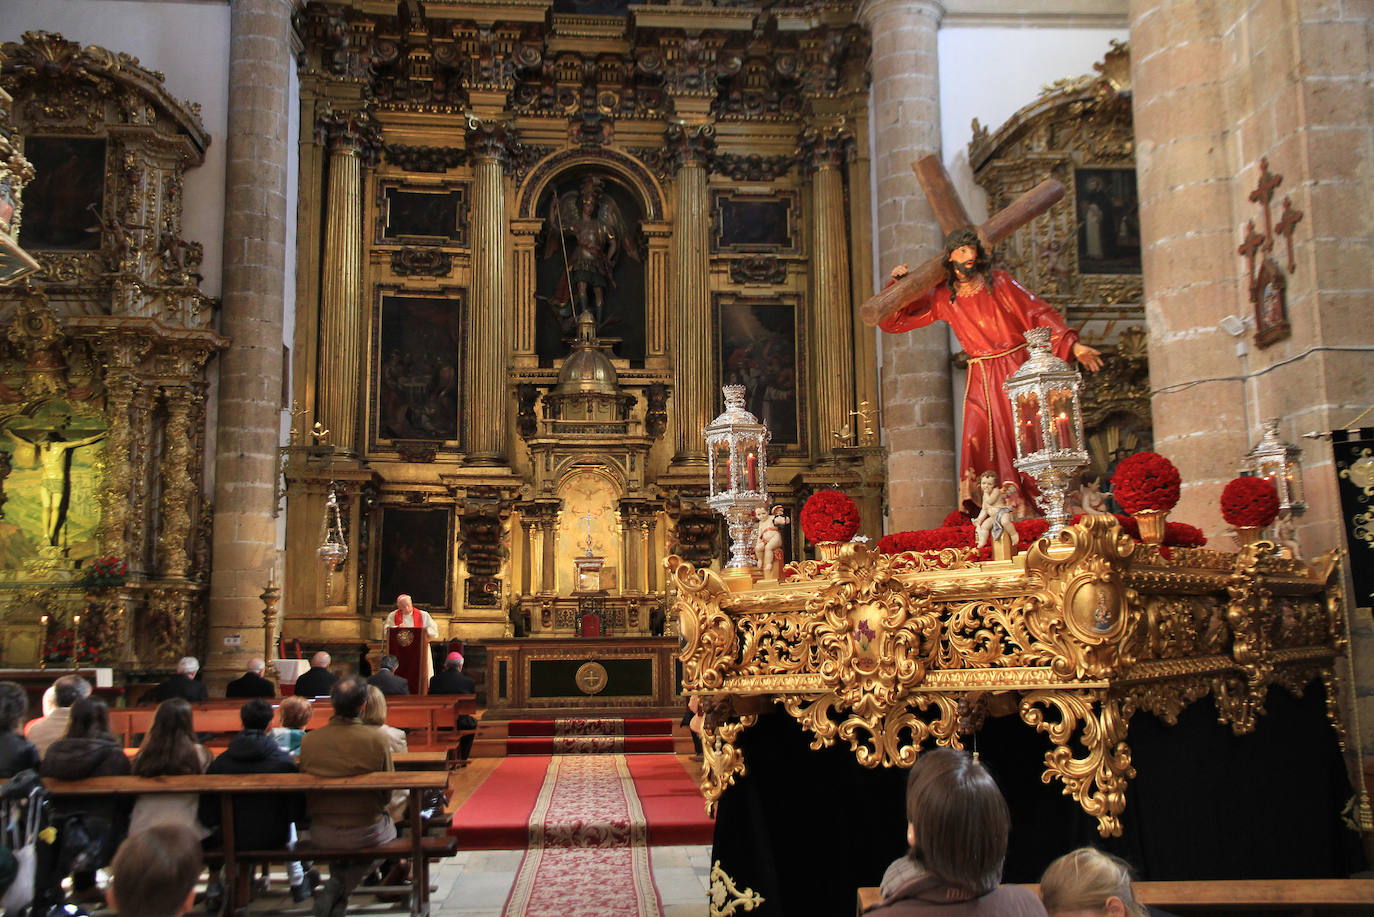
(990, 325)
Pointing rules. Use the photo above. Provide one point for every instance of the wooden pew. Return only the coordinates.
(419, 848)
(433, 713)
(1236, 896)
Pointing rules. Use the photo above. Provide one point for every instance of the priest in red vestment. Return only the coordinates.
(407, 615)
(990, 313)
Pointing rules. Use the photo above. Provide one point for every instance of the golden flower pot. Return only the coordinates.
(829, 550)
(1152, 524)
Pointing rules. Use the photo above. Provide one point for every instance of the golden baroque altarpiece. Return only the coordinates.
(476, 174)
(889, 653)
(103, 366)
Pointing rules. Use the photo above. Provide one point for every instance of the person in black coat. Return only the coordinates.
(251, 683)
(451, 679)
(387, 681)
(183, 684)
(317, 681)
(16, 753)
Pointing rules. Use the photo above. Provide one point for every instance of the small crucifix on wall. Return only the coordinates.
(1268, 282)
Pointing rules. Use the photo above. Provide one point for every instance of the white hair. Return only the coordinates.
(320, 659)
(256, 666)
(188, 666)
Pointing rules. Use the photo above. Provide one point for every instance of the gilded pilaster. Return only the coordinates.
(824, 152)
(548, 528)
(350, 138)
(522, 292)
(177, 485)
(690, 146)
(656, 297)
(487, 355)
(114, 500)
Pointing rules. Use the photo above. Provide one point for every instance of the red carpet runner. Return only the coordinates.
(583, 736)
(588, 845)
(497, 816)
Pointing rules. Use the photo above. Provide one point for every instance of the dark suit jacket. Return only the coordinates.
(250, 685)
(181, 686)
(452, 681)
(389, 683)
(316, 682)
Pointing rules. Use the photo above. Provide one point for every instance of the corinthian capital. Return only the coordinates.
(490, 139)
(825, 147)
(688, 144)
(354, 131)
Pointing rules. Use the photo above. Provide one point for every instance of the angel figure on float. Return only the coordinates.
(768, 544)
(995, 516)
(588, 229)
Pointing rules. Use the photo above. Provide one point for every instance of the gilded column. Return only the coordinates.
(114, 508)
(488, 141)
(656, 299)
(823, 153)
(693, 397)
(548, 527)
(351, 136)
(527, 556)
(177, 484)
(248, 424)
(522, 292)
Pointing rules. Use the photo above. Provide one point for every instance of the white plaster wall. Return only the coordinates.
(188, 41)
(990, 73)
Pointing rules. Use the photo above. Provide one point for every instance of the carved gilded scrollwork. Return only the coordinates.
(1097, 779)
(710, 645)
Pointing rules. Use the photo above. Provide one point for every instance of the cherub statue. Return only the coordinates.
(995, 516)
(768, 544)
(1090, 496)
(587, 231)
(1286, 536)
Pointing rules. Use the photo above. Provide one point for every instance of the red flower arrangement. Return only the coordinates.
(1183, 535)
(830, 515)
(105, 571)
(1249, 502)
(65, 646)
(1146, 481)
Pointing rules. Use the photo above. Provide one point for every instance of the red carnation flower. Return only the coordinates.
(1146, 481)
(830, 515)
(1248, 502)
(1183, 535)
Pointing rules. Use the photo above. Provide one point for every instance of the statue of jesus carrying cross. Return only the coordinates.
(987, 309)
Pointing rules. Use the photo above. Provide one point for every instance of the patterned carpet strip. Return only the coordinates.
(588, 845)
(590, 736)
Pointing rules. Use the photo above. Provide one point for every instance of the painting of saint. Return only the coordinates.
(62, 205)
(590, 256)
(1108, 221)
(418, 367)
(757, 348)
(414, 558)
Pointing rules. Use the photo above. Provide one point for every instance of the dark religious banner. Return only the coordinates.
(1354, 454)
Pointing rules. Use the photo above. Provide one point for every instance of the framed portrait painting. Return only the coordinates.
(754, 222)
(417, 367)
(759, 345)
(63, 204)
(414, 556)
(1108, 212)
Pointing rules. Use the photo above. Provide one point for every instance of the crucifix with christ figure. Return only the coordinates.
(988, 311)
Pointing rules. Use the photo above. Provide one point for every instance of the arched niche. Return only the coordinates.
(590, 496)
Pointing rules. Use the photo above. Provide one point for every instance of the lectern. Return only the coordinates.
(410, 645)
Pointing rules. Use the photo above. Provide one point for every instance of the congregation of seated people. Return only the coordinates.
(73, 741)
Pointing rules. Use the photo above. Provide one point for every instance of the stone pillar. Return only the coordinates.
(824, 152)
(918, 418)
(1239, 84)
(248, 428)
(487, 354)
(693, 392)
(350, 138)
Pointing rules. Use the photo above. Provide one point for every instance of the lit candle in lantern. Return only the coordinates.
(1063, 431)
(751, 468)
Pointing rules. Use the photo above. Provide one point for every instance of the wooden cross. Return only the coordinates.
(1262, 195)
(950, 212)
(1287, 223)
(1250, 248)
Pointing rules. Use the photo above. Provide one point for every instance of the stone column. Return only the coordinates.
(918, 418)
(487, 353)
(350, 138)
(693, 392)
(248, 427)
(831, 340)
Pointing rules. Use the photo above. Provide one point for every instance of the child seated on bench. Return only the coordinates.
(155, 872)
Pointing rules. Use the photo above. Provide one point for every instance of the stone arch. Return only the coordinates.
(629, 169)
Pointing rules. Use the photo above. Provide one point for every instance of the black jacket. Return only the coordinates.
(250, 685)
(181, 686)
(16, 754)
(78, 759)
(316, 682)
(260, 822)
(452, 681)
(389, 683)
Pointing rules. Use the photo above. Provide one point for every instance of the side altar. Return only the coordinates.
(1072, 648)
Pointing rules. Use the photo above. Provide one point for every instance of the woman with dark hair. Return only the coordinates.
(957, 826)
(170, 747)
(16, 752)
(89, 750)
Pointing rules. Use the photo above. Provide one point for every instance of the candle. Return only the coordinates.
(1063, 431)
(751, 466)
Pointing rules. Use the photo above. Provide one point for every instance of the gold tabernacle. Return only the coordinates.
(890, 653)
